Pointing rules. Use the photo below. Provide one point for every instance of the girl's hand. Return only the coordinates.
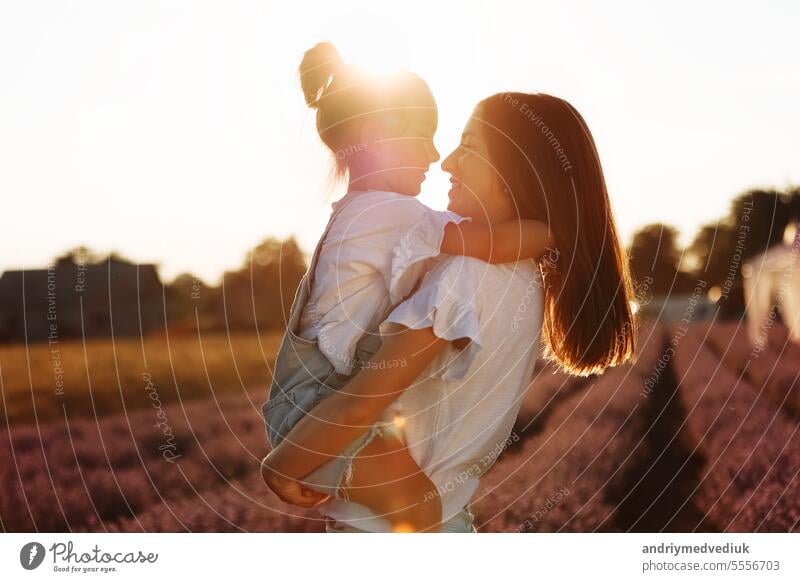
(506, 242)
(289, 490)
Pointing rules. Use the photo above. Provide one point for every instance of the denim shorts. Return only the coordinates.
(303, 377)
(329, 477)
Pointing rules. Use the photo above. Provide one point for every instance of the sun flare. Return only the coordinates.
(379, 60)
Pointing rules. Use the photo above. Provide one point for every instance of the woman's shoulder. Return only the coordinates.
(485, 287)
(457, 277)
(455, 269)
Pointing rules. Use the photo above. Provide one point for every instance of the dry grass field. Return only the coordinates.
(43, 382)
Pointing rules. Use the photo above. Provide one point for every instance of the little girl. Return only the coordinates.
(379, 240)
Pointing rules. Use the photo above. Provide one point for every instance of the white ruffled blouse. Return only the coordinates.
(376, 251)
(458, 416)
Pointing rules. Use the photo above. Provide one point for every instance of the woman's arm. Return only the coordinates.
(506, 242)
(348, 413)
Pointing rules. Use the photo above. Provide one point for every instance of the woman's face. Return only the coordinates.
(476, 189)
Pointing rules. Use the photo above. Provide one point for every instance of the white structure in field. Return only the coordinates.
(773, 279)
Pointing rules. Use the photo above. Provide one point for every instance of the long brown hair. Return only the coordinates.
(546, 158)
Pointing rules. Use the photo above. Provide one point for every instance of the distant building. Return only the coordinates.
(70, 300)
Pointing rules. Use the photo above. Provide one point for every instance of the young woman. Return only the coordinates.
(379, 240)
(467, 337)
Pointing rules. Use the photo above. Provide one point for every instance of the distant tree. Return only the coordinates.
(756, 221)
(793, 203)
(190, 300)
(78, 255)
(711, 250)
(84, 256)
(759, 218)
(260, 294)
(116, 257)
(655, 259)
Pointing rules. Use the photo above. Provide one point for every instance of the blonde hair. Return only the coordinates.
(345, 97)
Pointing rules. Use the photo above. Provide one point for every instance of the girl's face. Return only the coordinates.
(476, 189)
(405, 156)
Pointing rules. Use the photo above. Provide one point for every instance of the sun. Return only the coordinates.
(381, 59)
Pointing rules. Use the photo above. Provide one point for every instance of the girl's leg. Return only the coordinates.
(386, 478)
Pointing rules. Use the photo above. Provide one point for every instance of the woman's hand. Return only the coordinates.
(289, 490)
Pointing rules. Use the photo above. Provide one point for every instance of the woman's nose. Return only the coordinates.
(447, 164)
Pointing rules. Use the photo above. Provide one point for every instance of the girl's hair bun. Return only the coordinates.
(319, 64)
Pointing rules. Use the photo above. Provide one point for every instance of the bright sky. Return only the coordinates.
(176, 133)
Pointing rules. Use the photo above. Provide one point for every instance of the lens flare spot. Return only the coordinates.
(403, 527)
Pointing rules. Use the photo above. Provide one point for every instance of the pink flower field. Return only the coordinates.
(699, 434)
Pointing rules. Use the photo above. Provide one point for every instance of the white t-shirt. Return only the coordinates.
(377, 248)
(460, 413)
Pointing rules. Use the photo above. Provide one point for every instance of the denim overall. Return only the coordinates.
(303, 376)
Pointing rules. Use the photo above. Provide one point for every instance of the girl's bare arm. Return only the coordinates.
(506, 242)
(348, 413)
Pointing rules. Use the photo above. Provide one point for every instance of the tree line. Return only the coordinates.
(259, 294)
(756, 220)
